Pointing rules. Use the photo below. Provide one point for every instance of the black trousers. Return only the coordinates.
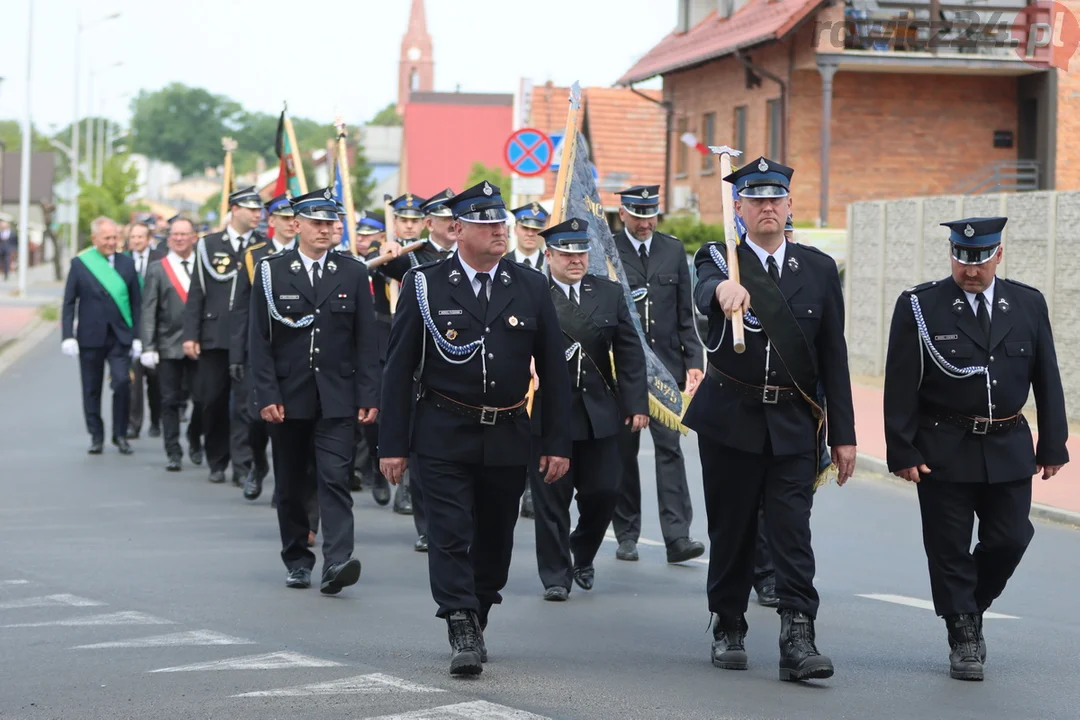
(471, 512)
(213, 387)
(593, 473)
(963, 581)
(672, 493)
(175, 378)
(241, 415)
(92, 361)
(736, 485)
(416, 494)
(331, 441)
(764, 571)
(258, 436)
(141, 377)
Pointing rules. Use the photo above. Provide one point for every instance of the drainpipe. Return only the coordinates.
(669, 110)
(783, 100)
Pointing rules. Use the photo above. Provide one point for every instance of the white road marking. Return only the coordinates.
(269, 661)
(373, 684)
(120, 618)
(62, 600)
(927, 605)
(610, 537)
(477, 710)
(193, 638)
(14, 582)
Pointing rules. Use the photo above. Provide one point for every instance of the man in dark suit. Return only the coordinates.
(442, 243)
(466, 330)
(138, 249)
(168, 283)
(656, 265)
(314, 365)
(9, 246)
(964, 354)
(529, 220)
(102, 293)
(607, 376)
(758, 420)
(208, 317)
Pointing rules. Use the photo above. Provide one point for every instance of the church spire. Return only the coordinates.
(416, 68)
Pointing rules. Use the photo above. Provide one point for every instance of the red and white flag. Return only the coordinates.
(691, 140)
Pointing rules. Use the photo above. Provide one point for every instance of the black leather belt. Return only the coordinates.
(765, 394)
(484, 415)
(974, 425)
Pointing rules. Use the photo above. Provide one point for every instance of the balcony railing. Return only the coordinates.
(1005, 176)
(983, 28)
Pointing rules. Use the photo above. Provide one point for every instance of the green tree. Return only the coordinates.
(387, 116)
(692, 233)
(118, 183)
(11, 137)
(494, 175)
(212, 205)
(363, 184)
(184, 125)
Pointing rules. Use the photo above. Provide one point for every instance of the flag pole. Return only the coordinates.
(346, 185)
(294, 149)
(228, 145)
(390, 237)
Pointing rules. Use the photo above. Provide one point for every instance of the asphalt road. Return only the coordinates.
(128, 592)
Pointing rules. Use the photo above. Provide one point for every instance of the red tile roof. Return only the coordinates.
(626, 133)
(757, 22)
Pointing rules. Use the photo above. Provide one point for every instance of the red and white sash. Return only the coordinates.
(180, 280)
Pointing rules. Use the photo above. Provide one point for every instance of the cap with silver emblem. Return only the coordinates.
(641, 201)
(481, 203)
(761, 178)
(247, 198)
(316, 205)
(975, 240)
(570, 236)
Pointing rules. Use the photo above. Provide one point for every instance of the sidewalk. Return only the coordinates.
(20, 315)
(1055, 499)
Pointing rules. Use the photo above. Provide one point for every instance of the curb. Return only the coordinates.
(878, 471)
(28, 338)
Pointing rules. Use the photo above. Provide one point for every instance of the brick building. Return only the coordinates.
(853, 96)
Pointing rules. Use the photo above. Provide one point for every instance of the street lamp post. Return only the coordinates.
(97, 141)
(24, 173)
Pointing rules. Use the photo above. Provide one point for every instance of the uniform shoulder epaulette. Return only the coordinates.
(1017, 283)
(604, 280)
(920, 288)
(274, 256)
(252, 248)
(666, 235)
(817, 250)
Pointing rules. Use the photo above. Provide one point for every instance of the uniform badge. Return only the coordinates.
(455, 276)
(505, 276)
(451, 334)
(1003, 304)
(327, 194)
(573, 224)
(644, 194)
(536, 209)
(288, 297)
(343, 296)
(408, 200)
(295, 266)
(487, 188)
(331, 266)
(449, 312)
(793, 263)
(762, 165)
(958, 305)
(512, 320)
(969, 231)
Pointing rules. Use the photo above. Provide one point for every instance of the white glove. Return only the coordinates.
(149, 360)
(70, 347)
(136, 349)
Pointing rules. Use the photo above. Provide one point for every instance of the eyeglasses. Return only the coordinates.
(181, 234)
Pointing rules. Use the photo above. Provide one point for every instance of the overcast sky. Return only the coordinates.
(338, 57)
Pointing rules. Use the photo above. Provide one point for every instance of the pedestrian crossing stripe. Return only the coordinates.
(373, 684)
(476, 710)
(269, 661)
(120, 618)
(193, 638)
(62, 600)
(927, 605)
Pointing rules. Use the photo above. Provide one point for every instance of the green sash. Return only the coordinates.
(99, 267)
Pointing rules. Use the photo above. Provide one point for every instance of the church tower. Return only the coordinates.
(416, 68)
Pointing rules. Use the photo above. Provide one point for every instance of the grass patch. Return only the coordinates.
(49, 313)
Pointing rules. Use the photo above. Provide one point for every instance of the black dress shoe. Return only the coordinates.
(627, 551)
(174, 464)
(527, 510)
(684, 549)
(238, 479)
(96, 447)
(132, 434)
(253, 485)
(195, 452)
(380, 489)
(556, 593)
(421, 544)
(584, 577)
(340, 575)
(766, 594)
(403, 501)
(217, 477)
(122, 445)
(299, 578)
(154, 431)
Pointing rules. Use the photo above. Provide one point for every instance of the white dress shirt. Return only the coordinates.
(237, 240)
(309, 264)
(278, 248)
(763, 256)
(471, 273)
(988, 293)
(566, 289)
(142, 259)
(177, 264)
(534, 259)
(638, 243)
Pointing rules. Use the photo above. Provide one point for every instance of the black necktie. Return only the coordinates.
(573, 295)
(482, 296)
(774, 270)
(315, 276)
(644, 255)
(983, 315)
(527, 262)
(138, 268)
(186, 270)
(444, 253)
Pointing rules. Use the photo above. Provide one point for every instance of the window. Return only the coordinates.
(682, 157)
(776, 129)
(740, 129)
(414, 80)
(708, 127)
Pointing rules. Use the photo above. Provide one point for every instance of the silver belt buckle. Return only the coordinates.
(770, 395)
(488, 415)
(980, 426)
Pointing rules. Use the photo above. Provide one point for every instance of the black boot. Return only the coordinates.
(253, 485)
(964, 647)
(982, 639)
(462, 628)
(403, 500)
(729, 643)
(799, 656)
(481, 625)
(527, 503)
